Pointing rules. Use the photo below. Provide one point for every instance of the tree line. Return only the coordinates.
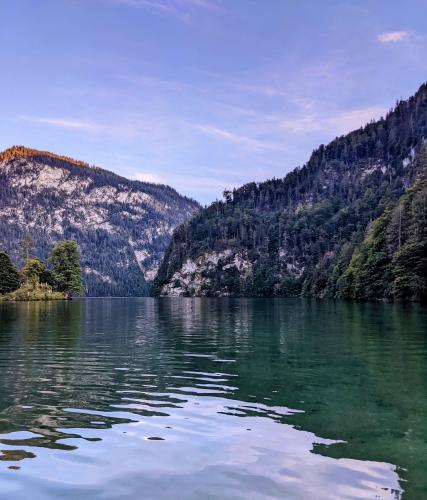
(60, 278)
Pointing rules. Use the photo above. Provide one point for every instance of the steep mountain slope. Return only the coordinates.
(392, 260)
(122, 226)
(297, 235)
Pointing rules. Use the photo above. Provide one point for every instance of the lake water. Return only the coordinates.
(212, 399)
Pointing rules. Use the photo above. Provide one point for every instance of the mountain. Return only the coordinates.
(315, 232)
(123, 227)
(391, 262)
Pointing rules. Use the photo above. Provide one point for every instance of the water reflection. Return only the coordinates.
(186, 398)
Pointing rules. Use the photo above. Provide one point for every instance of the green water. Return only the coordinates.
(212, 399)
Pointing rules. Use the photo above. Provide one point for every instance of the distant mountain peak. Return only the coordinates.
(23, 152)
(122, 226)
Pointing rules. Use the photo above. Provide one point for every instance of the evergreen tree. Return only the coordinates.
(410, 272)
(9, 276)
(27, 247)
(66, 268)
(33, 271)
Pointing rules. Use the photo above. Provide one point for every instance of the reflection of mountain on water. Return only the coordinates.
(187, 371)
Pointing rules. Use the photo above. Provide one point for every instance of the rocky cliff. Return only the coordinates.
(123, 227)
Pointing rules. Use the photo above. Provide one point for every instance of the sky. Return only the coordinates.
(202, 95)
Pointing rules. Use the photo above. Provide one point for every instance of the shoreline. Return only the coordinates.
(19, 296)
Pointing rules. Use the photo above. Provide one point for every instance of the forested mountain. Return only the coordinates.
(122, 227)
(347, 224)
(391, 262)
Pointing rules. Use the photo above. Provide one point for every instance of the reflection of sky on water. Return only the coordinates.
(190, 398)
(205, 446)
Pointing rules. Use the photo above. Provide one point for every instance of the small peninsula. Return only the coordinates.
(58, 280)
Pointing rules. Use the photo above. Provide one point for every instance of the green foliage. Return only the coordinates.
(391, 263)
(289, 287)
(369, 272)
(33, 271)
(9, 276)
(66, 269)
(38, 281)
(40, 291)
(410, 272)
(333, 228)
(27, 247)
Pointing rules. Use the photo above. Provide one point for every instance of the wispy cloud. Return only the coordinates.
(155, 82)
(185, 183)
(264, 90)
(392, 36)
(178, 8)
(256, 88)
(225, 135)
(154, 178)
(61, 123)
(129, 130)
(336, 124)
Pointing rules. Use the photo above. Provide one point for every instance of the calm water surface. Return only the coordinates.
(212, 399)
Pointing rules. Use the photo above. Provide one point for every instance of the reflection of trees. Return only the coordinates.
(358, 370)
(39, 331)
(8, 314)
(64, 355)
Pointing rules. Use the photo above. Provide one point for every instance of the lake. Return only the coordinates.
(213, 399)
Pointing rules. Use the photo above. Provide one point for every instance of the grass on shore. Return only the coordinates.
(33, 292)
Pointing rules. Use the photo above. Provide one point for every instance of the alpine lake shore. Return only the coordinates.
(41, 292)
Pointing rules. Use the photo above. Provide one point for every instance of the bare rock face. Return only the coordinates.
(197, 277)
(122, 226)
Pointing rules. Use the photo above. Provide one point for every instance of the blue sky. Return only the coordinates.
(202, 94)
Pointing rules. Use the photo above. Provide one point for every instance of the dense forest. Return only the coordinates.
(391, 262)
(351, 223)
(122, 227)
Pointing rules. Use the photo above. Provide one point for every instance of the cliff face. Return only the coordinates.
(123, 227)
(297, 235)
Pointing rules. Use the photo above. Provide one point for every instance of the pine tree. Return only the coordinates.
(27, 247)
(410, 272)
(66, 268)
(9, 276)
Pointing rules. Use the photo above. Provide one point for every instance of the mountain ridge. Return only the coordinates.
(20, 152)
(284, 237)
(46, 157)
(122, 226)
